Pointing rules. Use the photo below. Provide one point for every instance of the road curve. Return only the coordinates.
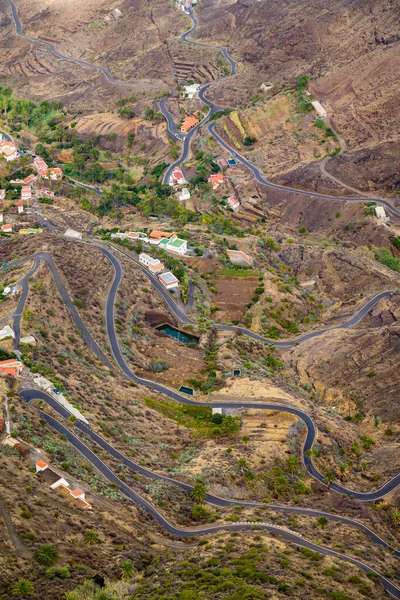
(211, 130)
(174, 395)
(82, 63)
(33, 394)
(182, 317)
(281, 532)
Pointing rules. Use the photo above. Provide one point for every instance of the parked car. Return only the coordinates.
(56, 391)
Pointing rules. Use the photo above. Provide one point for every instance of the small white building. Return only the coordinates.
(380, 214)
(233, 203)
(191, 90)
(9, 150)
(184, 195)
(20, 208)
(153, 264)
(2, 194)
(6, 332)
(169, 280)
(6, 291)
(71, 233)
(174, 244)
(320, 110)
(1, 218)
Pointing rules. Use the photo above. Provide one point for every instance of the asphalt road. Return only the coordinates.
(181, 316)
(82, 63)
(281, 532)
(32, 394)
(260, 179)
(211, 129)
(157, 387)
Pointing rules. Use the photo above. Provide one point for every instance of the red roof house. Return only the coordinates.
(216, 180)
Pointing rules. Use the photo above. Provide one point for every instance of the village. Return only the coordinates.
(12, 210)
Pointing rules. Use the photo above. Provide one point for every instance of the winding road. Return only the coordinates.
(238, 157)
(31, 394)
(172, 128)
(174, 395)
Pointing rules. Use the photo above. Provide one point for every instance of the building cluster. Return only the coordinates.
(167, 241)
(46, 172)
(154, 265)
(59, 483)
(178, 179)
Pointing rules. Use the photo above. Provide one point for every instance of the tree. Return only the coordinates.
(329, 477)
(90, 537)
(322, 522)
(241, 464)
(23, 586)
(245, 440)
(47, 555)
(395, 517)
(344, 469)
(127, 570)
(199, 492)
(292, 464)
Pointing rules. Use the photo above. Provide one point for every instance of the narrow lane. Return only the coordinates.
(281, 532)
(174, 395)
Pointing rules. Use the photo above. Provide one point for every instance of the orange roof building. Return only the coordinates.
(216, 180)
(40, 465)
(11, 367)
(159, 235)
(189, 123)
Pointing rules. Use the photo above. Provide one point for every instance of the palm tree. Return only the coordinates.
(199, 492)
(329, 477)
(395, 517)
(292, 464)
(47, 555)
(344, 469)
(241, 464)
(127, 570)
(23, 586)
(322, 522)
(90, 537)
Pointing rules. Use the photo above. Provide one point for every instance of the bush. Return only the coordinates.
(59, 572)
(23, 586)
(384, 256)
(200, 513)
(157, 366)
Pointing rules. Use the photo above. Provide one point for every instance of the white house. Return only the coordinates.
(153, 264)
(9, 150)
(177, 177)
(174, 244)
(1, 218)
(319, 109)
(191, 90)
(169, 280)
(6, 332)
(71, 233)
(380, 214)
(184, 195)
(233, 203)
